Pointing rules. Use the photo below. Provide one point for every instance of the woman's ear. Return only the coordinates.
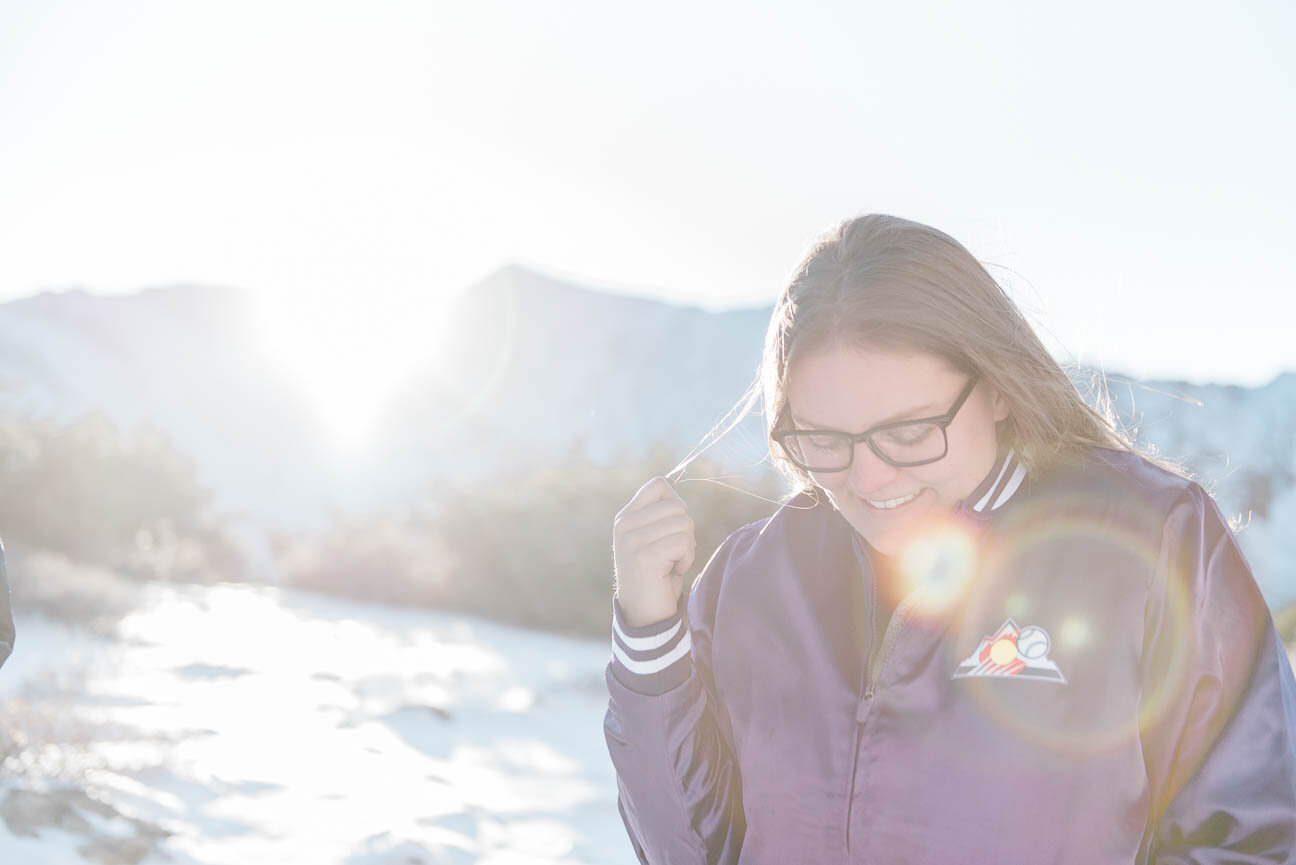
(998, 405)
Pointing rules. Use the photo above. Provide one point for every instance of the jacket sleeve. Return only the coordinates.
(6, 615)
(679, 790)
(1218, 710)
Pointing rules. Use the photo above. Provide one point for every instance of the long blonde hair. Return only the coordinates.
(885, 282)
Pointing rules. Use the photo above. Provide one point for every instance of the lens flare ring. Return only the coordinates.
(1001, 700)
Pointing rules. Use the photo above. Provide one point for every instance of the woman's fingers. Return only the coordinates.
(659, 528)
(683, 564)
(629, 519)
(666, 560)
(653, 545)
(656, 489)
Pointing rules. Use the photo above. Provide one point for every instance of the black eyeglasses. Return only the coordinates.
(902, 443)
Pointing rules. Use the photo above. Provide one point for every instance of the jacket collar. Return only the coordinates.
(1003, 480)
(1000, 484)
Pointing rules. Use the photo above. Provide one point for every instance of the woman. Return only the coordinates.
(984, 629)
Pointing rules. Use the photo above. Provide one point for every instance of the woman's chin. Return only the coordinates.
(889, 530)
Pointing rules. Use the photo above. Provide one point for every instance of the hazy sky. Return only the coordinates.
(1130, 162)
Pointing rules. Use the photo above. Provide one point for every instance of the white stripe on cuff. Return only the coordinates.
(645, 644)
(656, 665)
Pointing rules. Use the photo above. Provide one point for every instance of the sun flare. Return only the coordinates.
(350, 356)
(938, 565)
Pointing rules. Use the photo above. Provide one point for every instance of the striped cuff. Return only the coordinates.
(651, 659)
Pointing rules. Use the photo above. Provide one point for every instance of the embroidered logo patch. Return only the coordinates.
(1012, 651)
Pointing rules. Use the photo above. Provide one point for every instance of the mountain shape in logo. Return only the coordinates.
(1020, 653)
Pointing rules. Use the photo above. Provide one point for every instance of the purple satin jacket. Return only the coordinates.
(1082, 670)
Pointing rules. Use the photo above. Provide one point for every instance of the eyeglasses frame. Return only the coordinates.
(942, 421)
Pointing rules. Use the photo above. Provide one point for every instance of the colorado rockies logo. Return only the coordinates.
(1021, 653)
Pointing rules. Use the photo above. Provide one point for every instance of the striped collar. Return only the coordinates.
(1004, 479)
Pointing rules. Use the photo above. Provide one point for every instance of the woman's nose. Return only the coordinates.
(869, 473)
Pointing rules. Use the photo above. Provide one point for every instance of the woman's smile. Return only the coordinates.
(892, 504)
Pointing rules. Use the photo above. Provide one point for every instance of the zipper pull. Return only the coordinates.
(864, 707)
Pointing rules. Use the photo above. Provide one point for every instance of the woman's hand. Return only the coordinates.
(652, 550)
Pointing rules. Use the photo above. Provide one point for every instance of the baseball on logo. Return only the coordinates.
(1032, 643)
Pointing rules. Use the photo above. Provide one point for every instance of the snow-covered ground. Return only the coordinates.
(240, 724)
(243, 725)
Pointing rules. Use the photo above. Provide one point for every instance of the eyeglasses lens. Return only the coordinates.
(902, 445)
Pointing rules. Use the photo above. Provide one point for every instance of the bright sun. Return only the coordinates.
(350, 356)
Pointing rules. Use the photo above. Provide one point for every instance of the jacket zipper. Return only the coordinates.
(888, 643)
(874, 668)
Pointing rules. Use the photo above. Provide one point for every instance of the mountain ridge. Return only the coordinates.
(532, 366)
